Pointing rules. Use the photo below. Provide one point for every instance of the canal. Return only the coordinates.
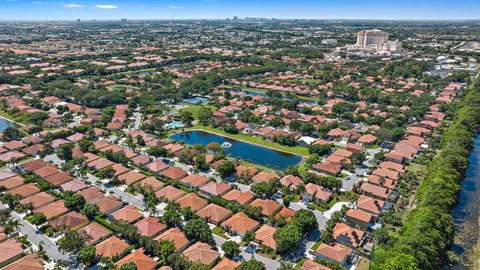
(250, 152)
(466, 216)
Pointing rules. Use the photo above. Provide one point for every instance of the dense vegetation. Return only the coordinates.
(424, 240)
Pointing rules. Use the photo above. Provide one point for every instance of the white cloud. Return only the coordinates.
(73, 6)
(106, 6)
(177, 7)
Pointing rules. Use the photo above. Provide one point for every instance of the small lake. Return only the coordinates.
(250, 152)
(466, 215)
(4, 123)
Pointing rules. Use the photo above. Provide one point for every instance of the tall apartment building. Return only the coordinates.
(371, 38)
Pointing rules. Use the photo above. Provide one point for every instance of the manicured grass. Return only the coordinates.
(364, 264)
(415, 167)
(316, 245)
(194, 108)
(11, 117)
(219, 231)
(297, 150)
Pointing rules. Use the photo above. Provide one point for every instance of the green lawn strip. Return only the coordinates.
(297, 150)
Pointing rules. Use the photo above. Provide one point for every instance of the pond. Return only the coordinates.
(4, 123)
(250, 152)
(466, 215)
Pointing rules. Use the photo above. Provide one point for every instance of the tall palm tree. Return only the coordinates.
(15, 224)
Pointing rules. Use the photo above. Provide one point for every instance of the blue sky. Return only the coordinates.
(210, 9)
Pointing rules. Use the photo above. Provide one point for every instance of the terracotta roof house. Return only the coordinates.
(141, 160)
(46, 171)
(33, 165)
(360, 218)
(245, 172)
(109, 204)
(33, 150)
(12, 182)
(375, 191)
(111, 247)
(174, 147)
(291, 181)
(194, 181)
(314, 192)
(10, 251)
(91, 194)
(202, 253)
(226, 264)
(239, 197)
(150, 226)
(89, 157)
(169, 193)
(264, 236)
(214, 189)
(119, 169)
(74, 185)
(174, 173)
(239, 224)
(52, 210)
(287, 213)
(6, 173)
(76, 137)
(214, 214)
(269, 207)
(100, 144)
(336, 252)
(137, 257)
(58, 142)
(38, 199)
(29, 262)
(128, 214)
(100, 164)
(72, 220)
(400, 168)
(25, 190)
(264, 177)
(177, 236)
(96, 232)
(131, 177)
(346, 235)
(151, 182)
(312, 265)
(14, 145)
(371, 205)
(114, 148)
(156, 166)
(382, 181)
(328, 168)
(193, 201)
(386, 173)
(58, 179)
(12, 155)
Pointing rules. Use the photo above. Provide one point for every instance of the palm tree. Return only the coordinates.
(15, 224)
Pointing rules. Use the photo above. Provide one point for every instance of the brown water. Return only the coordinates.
(466, 216)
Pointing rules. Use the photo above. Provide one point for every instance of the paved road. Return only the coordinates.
(269, 263)
(138, 119)
(126, 197)
(37, 238)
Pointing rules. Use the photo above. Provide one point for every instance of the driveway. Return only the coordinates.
(37, 239)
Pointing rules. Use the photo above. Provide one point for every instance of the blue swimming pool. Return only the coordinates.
(4, 123)
(250, 152)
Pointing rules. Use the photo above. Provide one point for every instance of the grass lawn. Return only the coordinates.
(297, 150)
(219, 231)
(263, 91)
(195, 108)
(363, 264)
(10, 117)
(415, 167)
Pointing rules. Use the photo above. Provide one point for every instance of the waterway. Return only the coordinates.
(250, 152)
(466, 216)
(4, 123)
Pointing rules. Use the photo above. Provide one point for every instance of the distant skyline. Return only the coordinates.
(220, 9)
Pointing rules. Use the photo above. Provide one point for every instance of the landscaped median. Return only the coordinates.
(296, 150)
